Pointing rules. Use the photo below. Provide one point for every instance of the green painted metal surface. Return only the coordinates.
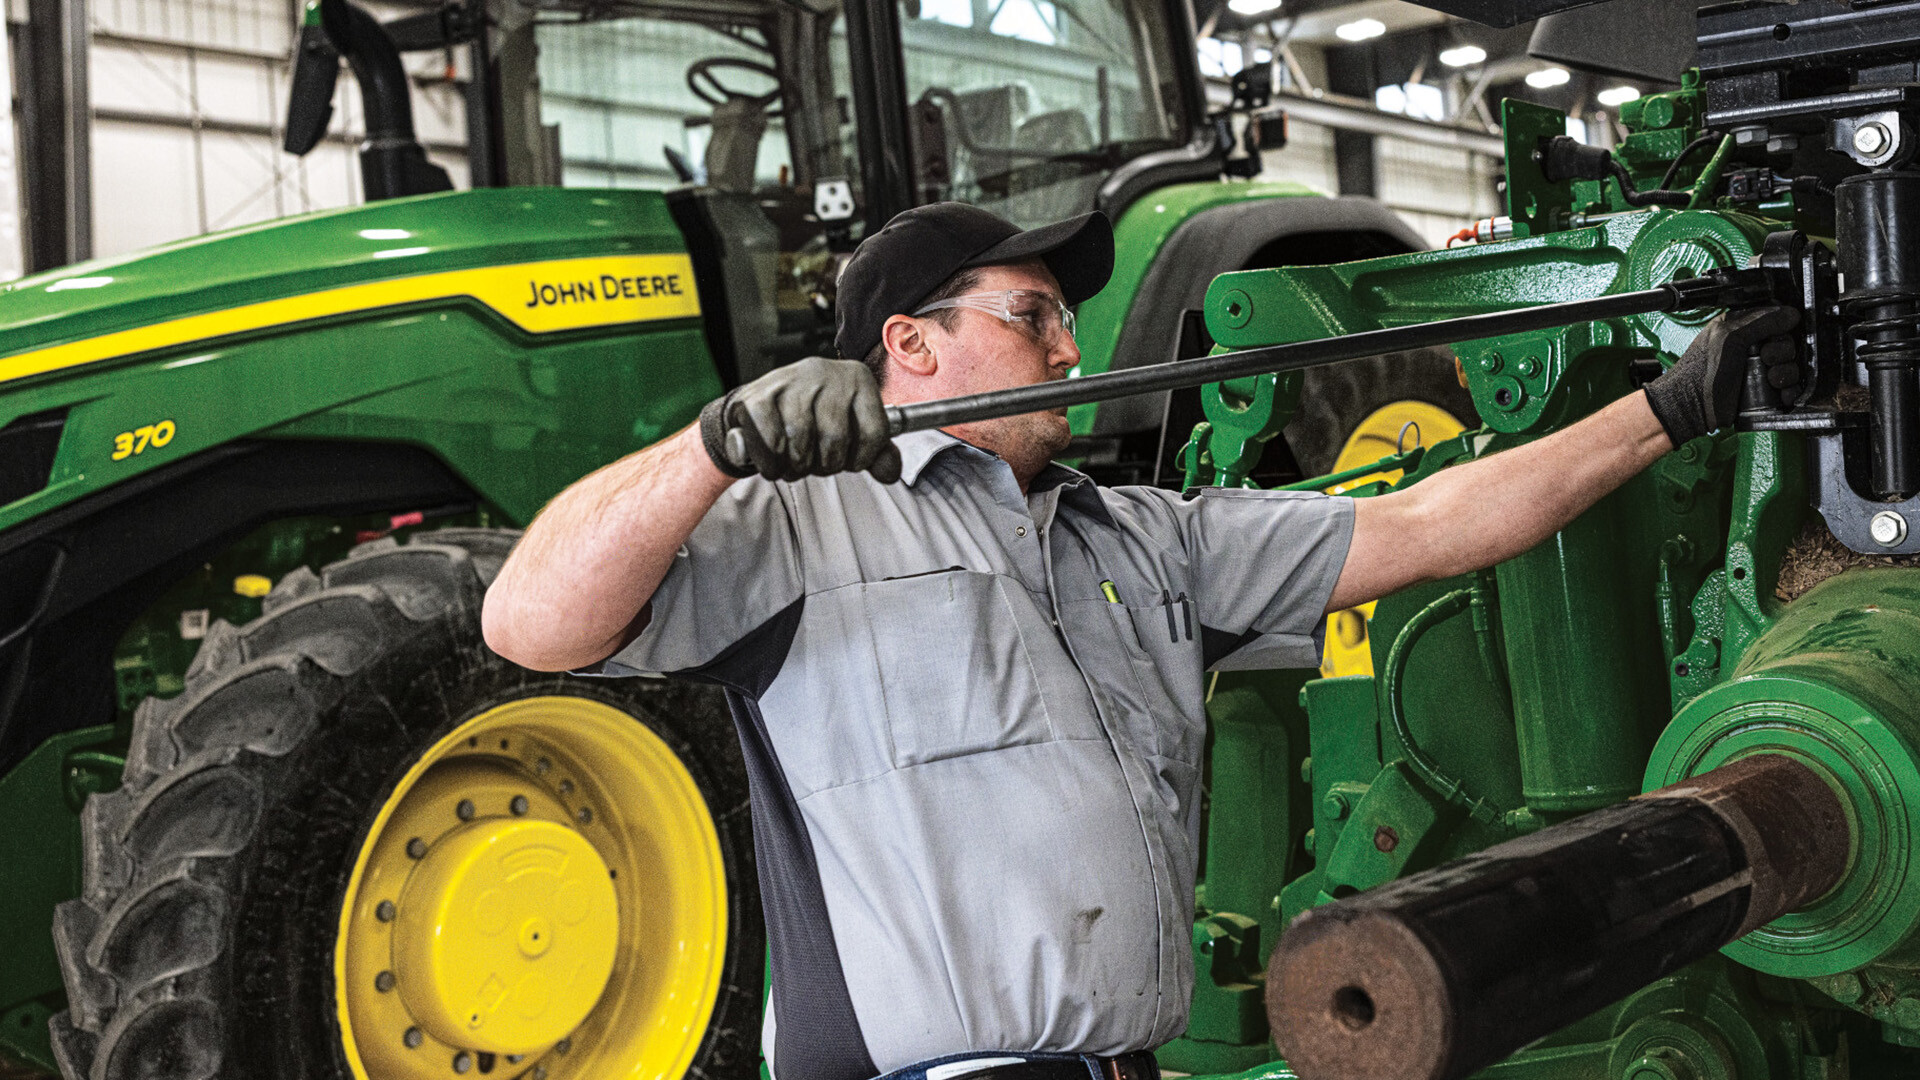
(518, 415)
(1642, 644)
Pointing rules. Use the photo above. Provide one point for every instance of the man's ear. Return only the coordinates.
(907, 345)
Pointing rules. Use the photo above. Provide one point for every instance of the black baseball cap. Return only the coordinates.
(893, 270)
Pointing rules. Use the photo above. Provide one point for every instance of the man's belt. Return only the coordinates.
(1138, 1065)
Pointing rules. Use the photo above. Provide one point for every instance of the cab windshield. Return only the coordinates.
(1025, 106)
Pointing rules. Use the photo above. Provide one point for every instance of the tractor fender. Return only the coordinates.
(1242, 235)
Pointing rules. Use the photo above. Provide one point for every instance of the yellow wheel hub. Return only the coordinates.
(1388, 430)
(506, 934)
(543, 895)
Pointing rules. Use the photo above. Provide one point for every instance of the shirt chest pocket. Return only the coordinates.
(958, 667)
(1163, 643)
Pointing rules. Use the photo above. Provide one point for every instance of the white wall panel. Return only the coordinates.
(190, 97)
(145, 188)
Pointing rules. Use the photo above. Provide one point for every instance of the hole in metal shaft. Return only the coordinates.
(1353, 1007)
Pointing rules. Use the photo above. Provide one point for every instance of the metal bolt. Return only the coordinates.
(514, 1059)
(384, 912)
(1871, 138)
(462, 1061)
(1530, 366)
(383, 982)
(563, 1046)
(416, 848)
(566, 787)
(539, 1072)
(1385, 838)
(585, 815)
(1490, 363)
(413, 1038)
(541, 766)
(518, 805)
(1888, 528)
(464, 810)
(1335, 804)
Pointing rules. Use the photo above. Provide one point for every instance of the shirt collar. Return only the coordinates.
(919, 448)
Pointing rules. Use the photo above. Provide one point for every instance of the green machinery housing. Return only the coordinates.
(1752, 593)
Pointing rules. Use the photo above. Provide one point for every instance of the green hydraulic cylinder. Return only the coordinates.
(1571, 612)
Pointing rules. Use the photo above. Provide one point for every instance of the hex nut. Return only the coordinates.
(413, 1038)
(1871, 138)
(1888, 528)
(462, 1062)
(518, 805)
(383, 982)
(416, 848)
(465, 810)
(385, 911)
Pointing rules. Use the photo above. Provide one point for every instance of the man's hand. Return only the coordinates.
(815, 417)
(1701, 392)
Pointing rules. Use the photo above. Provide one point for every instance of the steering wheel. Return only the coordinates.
(708, 88)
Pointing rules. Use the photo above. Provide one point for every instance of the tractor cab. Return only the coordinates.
(784, 130)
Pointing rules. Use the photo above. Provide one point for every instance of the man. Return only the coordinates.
(968, 681)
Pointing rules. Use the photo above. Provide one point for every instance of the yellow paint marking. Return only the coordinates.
(539, 297)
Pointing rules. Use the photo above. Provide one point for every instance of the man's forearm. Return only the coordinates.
(1504, 505)
(591, 560)
(1486, 511)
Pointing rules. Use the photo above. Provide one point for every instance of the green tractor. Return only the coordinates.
(271, 806)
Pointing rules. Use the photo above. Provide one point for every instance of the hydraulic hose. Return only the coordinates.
(1421, 762)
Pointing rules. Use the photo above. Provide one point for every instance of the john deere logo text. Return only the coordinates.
(605, 287)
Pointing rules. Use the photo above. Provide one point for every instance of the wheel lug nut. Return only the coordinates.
(539, 1072)
(465, 810)
(383, 982)
(566, 787)
(413, 1038)
(518, 806)
(416, 848)
(384, 912)
(585, 815)
(563, 1046)
(514, 1059)
(462, 1061)
(541, 766)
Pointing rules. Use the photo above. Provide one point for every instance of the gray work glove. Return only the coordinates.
(814, 417)
(1701, 391)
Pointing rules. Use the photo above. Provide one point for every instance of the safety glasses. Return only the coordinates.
(1040, 314)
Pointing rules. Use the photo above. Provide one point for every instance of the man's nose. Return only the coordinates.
(1065, 352)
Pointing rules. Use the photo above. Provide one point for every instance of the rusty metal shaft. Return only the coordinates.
(1442, 973)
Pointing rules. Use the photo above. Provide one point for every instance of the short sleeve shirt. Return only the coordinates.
(974, 723)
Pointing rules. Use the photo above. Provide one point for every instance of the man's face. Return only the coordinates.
(983, 352)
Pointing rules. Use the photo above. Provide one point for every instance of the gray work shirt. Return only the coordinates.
(973, 722)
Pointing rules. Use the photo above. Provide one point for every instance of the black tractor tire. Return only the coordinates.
(202, 944)
(1336, 398)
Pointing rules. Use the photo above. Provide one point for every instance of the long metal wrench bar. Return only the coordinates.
(1718, 291)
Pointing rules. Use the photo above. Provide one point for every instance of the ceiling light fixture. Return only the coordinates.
(1548, 78)
(1252, 7)
(1463, 56)
(1360, 30)
(1617, 96)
